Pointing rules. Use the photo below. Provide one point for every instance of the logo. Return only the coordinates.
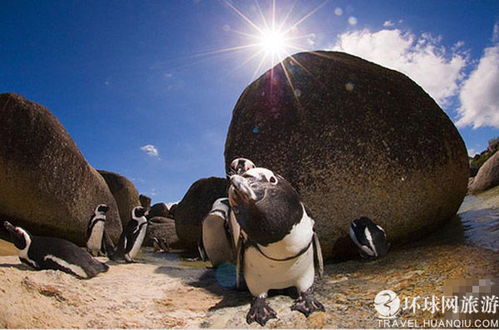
(387, 304)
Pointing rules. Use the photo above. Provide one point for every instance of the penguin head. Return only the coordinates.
(240, 165)
(101, 209)
(265, 204)
(139, 213)
(369, 237)
(18, 236)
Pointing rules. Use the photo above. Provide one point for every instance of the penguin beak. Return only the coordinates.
(7, 225)
(240, 190)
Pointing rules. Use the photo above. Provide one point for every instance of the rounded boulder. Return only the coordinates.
(46, 185)
(487, 176)
(124, 192)
(193, 208)
(355, 139)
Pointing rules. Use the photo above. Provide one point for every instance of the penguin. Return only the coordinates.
(369, 237)
(240, 165)
(132, 236)
(276, 244)
(95, 231)
(41, 252)
(216, 234)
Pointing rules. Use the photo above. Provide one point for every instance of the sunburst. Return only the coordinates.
(272, 40)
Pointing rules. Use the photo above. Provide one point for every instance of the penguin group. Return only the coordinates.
(40, 252)
(262, 226)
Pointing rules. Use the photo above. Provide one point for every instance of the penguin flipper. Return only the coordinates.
(239, 262)
(318, 255)
(107, 246)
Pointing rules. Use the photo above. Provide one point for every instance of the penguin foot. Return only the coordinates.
(307, 304)
(260, 312)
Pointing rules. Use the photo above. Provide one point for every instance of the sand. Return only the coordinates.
(165, 291)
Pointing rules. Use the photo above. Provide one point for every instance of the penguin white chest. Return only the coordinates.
(262, 273)
(138, 242)
(95, 240)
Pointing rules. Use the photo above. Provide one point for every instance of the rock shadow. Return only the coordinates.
(18, 266)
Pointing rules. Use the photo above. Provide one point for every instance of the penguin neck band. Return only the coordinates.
(302, 251)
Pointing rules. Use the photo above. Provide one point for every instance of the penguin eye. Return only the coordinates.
(273, 180)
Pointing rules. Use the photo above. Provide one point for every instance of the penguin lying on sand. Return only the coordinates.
(369, 237)
(96, 243)
(275, 241)
(54, 253)
(132, 236)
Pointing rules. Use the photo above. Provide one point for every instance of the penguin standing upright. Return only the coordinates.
(217, 239)
(54, 253)
(95, 231)
(132, 236)
(369, 237)
(216, 234)
(276, 242)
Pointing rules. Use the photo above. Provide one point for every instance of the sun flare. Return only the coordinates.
(273, 42)
(270, 34)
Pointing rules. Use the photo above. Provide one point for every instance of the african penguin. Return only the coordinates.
(132, 236)
(276, 243)
(216, 239)
(369, 237)
(95, 231)
(240, 165)
(54, 253)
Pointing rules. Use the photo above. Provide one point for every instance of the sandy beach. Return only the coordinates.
(166, 291)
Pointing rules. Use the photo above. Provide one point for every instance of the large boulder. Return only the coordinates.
(193, 208)
(487, 176)
(158, 210)
(145, 201)
(164, 230)
(46, 185)
(355, 139)
(124, 192)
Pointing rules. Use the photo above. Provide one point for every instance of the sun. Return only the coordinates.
(273, 42)
(269, 37)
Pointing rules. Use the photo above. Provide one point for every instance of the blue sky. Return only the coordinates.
(147, 88)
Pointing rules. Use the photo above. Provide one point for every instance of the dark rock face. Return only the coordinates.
(124, 192)
(487, 176)
(194, 207)
(46, 185)
(145, 201)
(163, 229)
(355, 139)
(158, 210)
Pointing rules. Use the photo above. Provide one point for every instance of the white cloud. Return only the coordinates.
(388, 23)
(437, 69)
(495, 33)
(150, 150)
(471, 152)
(480, 93)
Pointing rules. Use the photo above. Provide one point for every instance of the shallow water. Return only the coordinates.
(479, 216)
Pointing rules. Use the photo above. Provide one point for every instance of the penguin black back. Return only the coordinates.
(369, 237)
(42, 252)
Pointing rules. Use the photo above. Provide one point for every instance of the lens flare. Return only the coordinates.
(273, 42)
